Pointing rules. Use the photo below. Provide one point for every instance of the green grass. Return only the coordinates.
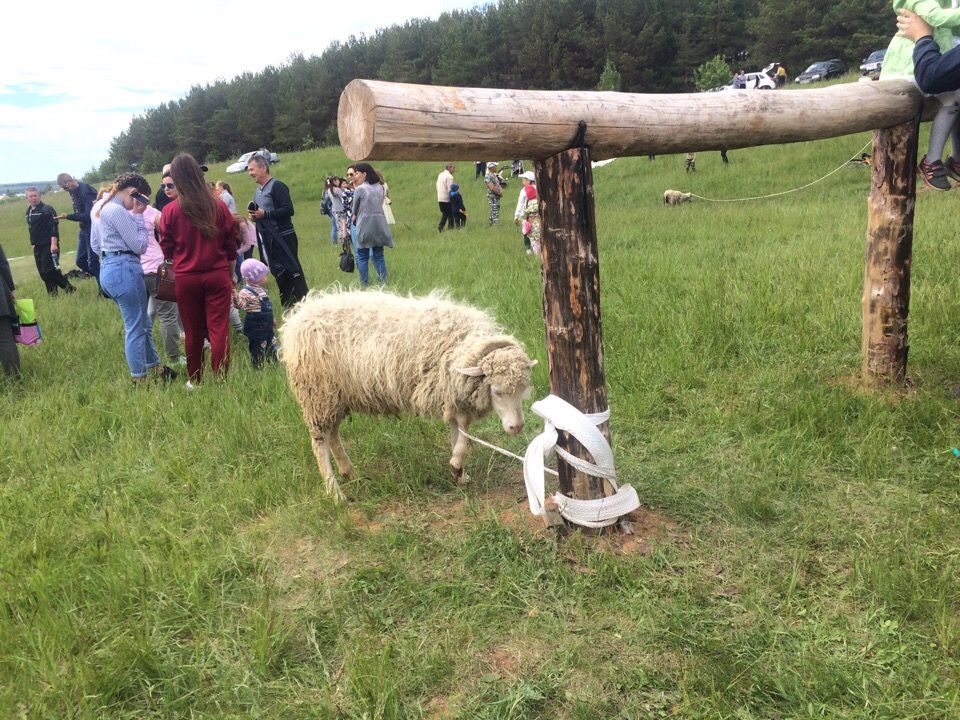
(166, 554)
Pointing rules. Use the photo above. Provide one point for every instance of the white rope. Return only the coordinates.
(500, 450)
(561, 415)
(24, 257)
(785, 192)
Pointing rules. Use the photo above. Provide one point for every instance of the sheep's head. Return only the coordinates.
(506, 372)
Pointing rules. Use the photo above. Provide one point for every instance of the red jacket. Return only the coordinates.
(190, 251)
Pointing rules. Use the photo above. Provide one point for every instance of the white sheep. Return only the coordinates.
(675, 197)
(378, 353)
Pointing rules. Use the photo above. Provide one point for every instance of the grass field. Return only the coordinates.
(166, 554)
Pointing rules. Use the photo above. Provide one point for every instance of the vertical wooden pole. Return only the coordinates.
(571, 300)
(886, 287)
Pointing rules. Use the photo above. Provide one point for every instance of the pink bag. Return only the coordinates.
(29, 334)
(28, 331)
(527, 227)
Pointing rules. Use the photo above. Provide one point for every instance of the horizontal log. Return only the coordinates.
(398, 121)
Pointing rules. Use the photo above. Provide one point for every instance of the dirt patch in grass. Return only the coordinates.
(452, 514)
(438, 708)
(298, 562)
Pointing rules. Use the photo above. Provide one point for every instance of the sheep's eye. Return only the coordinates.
(494, 392)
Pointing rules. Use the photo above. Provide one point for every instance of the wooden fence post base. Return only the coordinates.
(571, 301)
(886, 287)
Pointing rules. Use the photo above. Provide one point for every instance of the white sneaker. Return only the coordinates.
(190, 386)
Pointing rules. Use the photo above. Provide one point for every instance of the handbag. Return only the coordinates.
(28, 332)
(166, 285)
(346, 257)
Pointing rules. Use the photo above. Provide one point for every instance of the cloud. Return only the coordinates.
(74, 80)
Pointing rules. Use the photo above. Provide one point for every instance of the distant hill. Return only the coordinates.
(16, 188)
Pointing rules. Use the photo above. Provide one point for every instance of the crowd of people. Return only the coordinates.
(192, 230)
(191, 236)
(453, 213)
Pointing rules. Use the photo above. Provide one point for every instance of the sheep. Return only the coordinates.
(379, 353)
(675, 197)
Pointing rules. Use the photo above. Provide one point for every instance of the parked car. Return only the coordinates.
(871, 66)
(771, 69)
(241, 164)
(823, 70)
(755, 81)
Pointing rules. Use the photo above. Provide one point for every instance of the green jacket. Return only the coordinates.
(898, 62)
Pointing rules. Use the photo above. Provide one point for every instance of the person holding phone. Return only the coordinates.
(120, 237)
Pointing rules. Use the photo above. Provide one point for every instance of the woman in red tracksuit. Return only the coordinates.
(200, 236)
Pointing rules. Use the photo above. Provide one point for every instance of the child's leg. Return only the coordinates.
(943, 125)
(256, 351)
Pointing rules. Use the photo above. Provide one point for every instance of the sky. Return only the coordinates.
(74, 74)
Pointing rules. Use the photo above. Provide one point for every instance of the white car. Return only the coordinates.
(872, 65)
(241, 164)
(756, 81)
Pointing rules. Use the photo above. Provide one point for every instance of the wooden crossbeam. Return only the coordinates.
(398, 121)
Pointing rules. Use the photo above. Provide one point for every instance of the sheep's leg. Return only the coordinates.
(321, 450)
(343, 462)
(460, 445)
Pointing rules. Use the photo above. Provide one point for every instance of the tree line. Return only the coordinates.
(645, 46)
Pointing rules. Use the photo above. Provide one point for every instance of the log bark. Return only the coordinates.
(398, 121)
(886, 287)
(571, 300)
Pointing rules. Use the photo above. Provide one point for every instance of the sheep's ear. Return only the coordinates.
(532, 363)
(474, 371)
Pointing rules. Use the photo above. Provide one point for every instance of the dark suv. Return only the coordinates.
(823, 70)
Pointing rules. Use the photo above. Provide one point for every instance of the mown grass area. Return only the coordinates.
(172, 554)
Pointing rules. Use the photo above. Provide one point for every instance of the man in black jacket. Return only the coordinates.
(271, 210)
(83, 197)
(45, 238)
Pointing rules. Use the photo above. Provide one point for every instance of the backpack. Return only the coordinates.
(326, 204)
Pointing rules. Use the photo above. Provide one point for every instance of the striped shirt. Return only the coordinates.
(249, 298)
(117, 230)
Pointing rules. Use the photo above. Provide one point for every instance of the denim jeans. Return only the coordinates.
(87, 259)
(122, 277)
(333, 228)
(353, 238)
(363, 259)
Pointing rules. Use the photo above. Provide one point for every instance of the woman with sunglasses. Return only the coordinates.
(150, 261)
(373, 233)
(200, 237)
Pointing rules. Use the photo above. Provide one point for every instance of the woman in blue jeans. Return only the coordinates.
(373, 233)
(119, 236)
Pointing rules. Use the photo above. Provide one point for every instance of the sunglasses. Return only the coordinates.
(168, 186)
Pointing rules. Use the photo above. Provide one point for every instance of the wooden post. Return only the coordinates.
(571, 300)
(886, 287)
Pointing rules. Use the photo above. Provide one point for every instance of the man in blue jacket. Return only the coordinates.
(83, 197)
(934, 73)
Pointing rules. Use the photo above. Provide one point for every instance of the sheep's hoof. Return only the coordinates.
(335, 493)
(458, 475)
